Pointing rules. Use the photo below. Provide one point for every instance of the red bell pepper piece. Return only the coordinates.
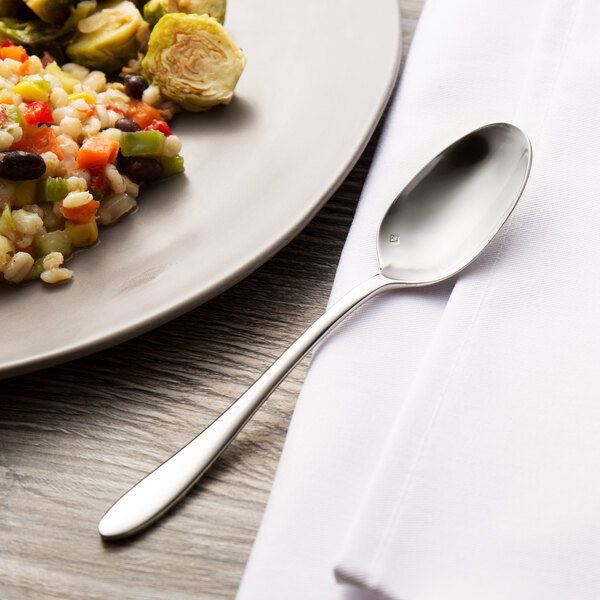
(15, 52)
(37, 112)
(158, 125)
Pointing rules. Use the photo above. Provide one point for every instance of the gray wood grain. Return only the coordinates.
(74, 437)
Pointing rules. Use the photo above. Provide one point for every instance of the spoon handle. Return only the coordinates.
(167, 484)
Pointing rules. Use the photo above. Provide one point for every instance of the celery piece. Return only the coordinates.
(67, 80)
(13, 114)
(53, 241)
(52, 189)
(142, 143)
(36, 270)
(7, 222)
(172, 165)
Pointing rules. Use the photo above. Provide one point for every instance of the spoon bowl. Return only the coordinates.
(454, 206)
(435, 227)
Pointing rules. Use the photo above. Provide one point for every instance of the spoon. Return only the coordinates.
(435, 227)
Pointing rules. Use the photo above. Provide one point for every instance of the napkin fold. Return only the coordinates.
(445, 443)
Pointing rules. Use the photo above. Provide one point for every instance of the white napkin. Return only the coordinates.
(449, 449)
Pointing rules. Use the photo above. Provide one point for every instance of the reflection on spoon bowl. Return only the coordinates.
(454, 206)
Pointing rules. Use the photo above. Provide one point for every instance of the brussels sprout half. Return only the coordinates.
(193, 61)
(108, 37)
(155, 9)
(53, 12)
(39, 35)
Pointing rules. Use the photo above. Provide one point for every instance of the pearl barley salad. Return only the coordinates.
(86, 91)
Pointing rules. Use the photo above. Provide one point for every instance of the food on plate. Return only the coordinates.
(23, 27)
(155, 9)
(109, 36)
(78, 138)
(54, 12)
(74, 150)
(193, 61)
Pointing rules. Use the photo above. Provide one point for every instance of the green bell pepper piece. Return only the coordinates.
(142, 143)
(52, 189)
(7, 222)
(172, 165)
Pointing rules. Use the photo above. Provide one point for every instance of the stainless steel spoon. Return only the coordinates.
(438, 224)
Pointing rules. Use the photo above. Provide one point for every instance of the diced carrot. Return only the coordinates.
(40, 140)
(80, 214)
(97, 152)
(24, 68)
(142, 113)
(7, 100)
(15, 52)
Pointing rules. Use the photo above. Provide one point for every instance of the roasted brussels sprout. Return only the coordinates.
(53, 12)
(155, 9)
(109, 36)
(28, 33)
(40, 36)
(193, 61)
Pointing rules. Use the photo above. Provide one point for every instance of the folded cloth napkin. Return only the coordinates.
(446, 441)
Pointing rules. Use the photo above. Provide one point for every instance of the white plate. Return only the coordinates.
(318, 76)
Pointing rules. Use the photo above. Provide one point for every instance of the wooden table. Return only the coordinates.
(74, 437)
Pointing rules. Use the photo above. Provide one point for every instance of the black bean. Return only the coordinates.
(19, 165)
(135, 86)
(141, 168)
(127, 125)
